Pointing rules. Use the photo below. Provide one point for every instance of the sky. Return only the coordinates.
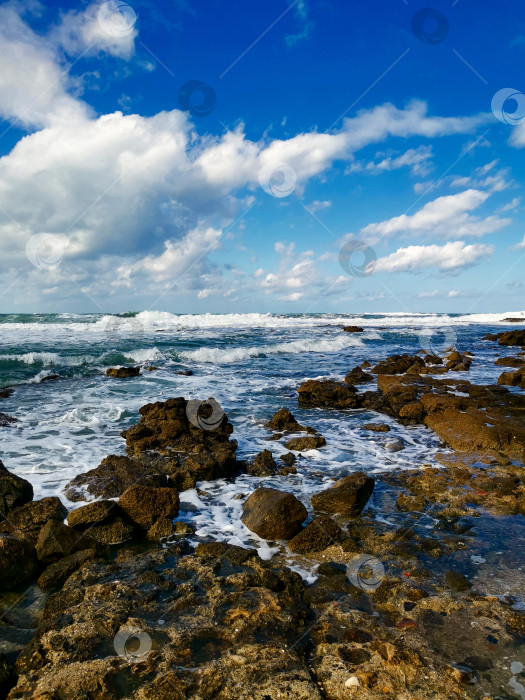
(286, 156)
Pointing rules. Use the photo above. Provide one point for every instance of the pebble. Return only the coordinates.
(352, 682)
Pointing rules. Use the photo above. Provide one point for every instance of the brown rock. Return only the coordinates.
(510, 361)
(377, 427)
(353, 329)
(18, 562)
(273, 514)
(163, 527)
(14, 491)
(145, 505)
(316, 536)
(512, 338)
(56, 540)
(113, 531)
(123, 372)
(263, 465)
(348, 495)
(398, 364)
(358, 376)
(327, 394)
(513, 378)
(301, 444)
(412, 411)
(57, 573)
(27, 520)
(289, 458)
(92, 514)
(408, 503)
(284, 420)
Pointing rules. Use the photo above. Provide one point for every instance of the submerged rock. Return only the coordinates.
(353, 329)
(377, 427)
(273, 514)
(123, 372)
(301, 444)
(348, 495)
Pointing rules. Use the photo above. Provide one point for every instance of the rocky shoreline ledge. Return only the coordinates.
(121, 602)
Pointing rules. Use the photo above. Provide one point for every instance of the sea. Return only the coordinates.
(252, 364)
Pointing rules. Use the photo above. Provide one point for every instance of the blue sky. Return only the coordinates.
(360, 127)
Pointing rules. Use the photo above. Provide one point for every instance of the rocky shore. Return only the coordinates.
(114, 599)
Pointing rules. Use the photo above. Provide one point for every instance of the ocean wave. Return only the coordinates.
(228, 355)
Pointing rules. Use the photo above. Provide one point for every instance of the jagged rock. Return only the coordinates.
(353, 329)
(145, 505)
(123, 372)
(6, 421)
(114, 475)
(348, 495)
(398, 364)
(409, 503)
(430, 359)
(288, 458)
(185, 372)
(27, 520)
(56, 540)
(55, 575)
(163, 527)
(92, 514)
(395, 445)
(457, 581)
(18, 562)
(327, 394)
(49, 378)
(513, 378)
(510, 361)
(113, 531)
(6, 392)
(412, 411)
(193, 450)
(377, 427)
(284, 420)
(273, 514)
(263, 465)
(512, 338)
(358, 376)
(14, 491)
(316, 536)
(301, 444)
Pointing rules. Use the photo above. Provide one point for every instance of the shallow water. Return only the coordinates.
(252, 364)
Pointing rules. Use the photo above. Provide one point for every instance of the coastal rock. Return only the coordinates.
(114, 475)
(263, 465)
(27, 520)
(510, 361)
(395, 445)
(123, 372)
(353, 329)
(92, 514)
(348, 495)
(408, 503)
(14, 491)
(358, 376)
(377, 427)
(6, 421)
(193, 450)
(513, 378)
(163, 527)
(412, 411)
(55, 575)
(145, 505)
(56, 540)
(512, 338)
(301, 444)
(288, 458)
(273, 514)
(18, 562)
(316, 536)
(398, 364)
(284, 420)
(185, 372)
(327, 394)
(49, 378)
(6, 392)
(112, 532)
(430, 359)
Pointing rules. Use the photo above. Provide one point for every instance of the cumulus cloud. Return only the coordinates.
(445, 216)
(519, 246)
(447, 258)
(417, 159)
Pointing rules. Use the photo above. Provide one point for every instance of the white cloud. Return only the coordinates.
(417, 159)
(428, 295)
(318, 205)
(518, 246)
(453, 293)
(447, 258)
(445, 216)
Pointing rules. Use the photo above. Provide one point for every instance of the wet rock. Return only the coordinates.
(457, 581)
(163, 527)
(409, 503)
(301, 444)
(412, 411)
(316, 536)
(6, 421)
(18, 562)
(432, 360)
(152, 368)
(185, 372)
(123, 372)
(513, 378)
(145, 505)
(111, 532)
(114, 475)
(395, 445)
(284, 420)
(358, 376)
(7, 676)
(510, 361)
(55, 575)
(377, 427)
(14, 491)
(288, 458)
(56, 540)
(92, 514)
(6, 392)
(49, 378)
(27, 520)
(273, 514)
(263, 465)
(193, 450)
(353, 329)
(348, 495)
(327, 394)
(398, 364)
(512, 338)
